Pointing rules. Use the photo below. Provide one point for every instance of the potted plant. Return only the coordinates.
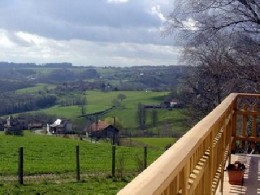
(236, 173)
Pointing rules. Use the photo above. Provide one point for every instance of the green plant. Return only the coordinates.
(139, 163)
(120, 166)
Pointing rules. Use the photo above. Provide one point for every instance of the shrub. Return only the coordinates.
(13, 132)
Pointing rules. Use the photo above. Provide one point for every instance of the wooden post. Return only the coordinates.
(130, 139)
(113, 139)
(20, 165)
(77, 164)
(113, 160)
(254, 126)
(234, 127)
(145, 157)
(244, 125)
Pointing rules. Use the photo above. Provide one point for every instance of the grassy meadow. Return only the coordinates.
(37, 88)
(49, 155)
(127, 112)
(155, 142)
(94, 185)
(99, 101)
(169, 122)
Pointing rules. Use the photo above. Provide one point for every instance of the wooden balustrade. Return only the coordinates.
(195, 163)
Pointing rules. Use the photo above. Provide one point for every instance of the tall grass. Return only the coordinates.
(49, 154)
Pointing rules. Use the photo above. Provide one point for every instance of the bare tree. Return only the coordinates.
(222, 43)
(219, 68)
(210, 16)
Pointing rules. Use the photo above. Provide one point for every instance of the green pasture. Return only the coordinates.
(50, 154)
(45, 154)
(38, 87)
(127, 112)
(155, 142)
(132, 97)
(91, 186)
(98, 101)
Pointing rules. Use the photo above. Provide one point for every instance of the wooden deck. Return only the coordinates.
(251, 178)
(195, 163)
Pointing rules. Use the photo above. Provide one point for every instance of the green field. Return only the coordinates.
(172, 121)
(49, 154)
(45, 155)
(155, 142)
(94, 185)
(99, 101)
(37, 88)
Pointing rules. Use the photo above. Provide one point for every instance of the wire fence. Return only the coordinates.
(22, 166)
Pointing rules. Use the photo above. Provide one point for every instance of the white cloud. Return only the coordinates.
(81, 52)
(117, 1)
(85, 32)
(4, 40)
(156, 10)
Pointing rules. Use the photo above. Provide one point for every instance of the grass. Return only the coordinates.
(132, 97)
(56, 155)
(155, 142)
(91, 186)
(99, 101)
(128, 109)
(172, 122)
(37, 88)
(49, 154)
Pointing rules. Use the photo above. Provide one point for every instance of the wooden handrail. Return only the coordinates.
(195, 163)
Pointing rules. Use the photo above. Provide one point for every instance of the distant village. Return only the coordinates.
(96, 130)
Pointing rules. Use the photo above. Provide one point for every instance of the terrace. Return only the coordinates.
(196, 164)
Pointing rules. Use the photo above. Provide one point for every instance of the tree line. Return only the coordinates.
(15, 103)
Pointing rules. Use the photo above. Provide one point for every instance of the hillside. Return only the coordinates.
(51, 160)
(127, 111)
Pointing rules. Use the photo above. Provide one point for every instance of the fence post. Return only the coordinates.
(113, 160)
(145, 157)
(77, 164)
(20, 165)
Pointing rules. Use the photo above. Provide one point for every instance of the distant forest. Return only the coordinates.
(68, 82)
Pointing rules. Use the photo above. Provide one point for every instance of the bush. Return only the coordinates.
(13, 132)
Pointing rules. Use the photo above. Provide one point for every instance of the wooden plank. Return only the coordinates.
(244, 122)
(198, 173)
(188, 149)
(248, 112)
(251, 139)
(234, 127)
(254, 122)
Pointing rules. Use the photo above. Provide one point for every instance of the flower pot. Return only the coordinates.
(236, 173)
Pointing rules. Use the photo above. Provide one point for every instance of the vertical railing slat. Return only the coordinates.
(254, 125)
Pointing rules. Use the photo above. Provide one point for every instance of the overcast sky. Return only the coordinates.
(86, 32)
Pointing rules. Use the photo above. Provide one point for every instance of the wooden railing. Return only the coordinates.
(195, 163)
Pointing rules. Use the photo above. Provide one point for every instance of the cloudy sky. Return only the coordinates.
(86, 32)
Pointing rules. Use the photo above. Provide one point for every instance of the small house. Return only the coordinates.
(171, 103)
(14, 126)
(174, 103)
(35, 125)
(103, 130)
(60, 126)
